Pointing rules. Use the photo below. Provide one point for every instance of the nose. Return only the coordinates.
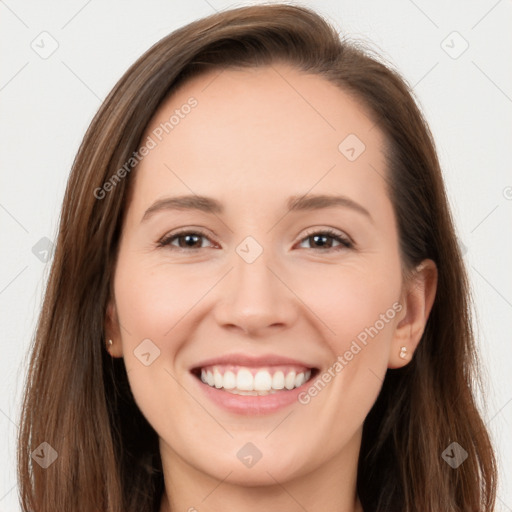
(255, 298)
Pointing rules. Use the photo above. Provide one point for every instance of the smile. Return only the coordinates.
(250, 384)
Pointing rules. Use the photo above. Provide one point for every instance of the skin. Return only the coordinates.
(257, 137)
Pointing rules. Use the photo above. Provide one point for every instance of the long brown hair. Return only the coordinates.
(77, 398)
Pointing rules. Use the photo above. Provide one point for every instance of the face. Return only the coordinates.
(290, 266)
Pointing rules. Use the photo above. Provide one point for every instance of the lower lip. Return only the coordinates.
(249, 404)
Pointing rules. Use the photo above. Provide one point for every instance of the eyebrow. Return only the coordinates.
(295, 203)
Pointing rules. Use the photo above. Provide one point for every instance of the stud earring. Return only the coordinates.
(403, 353)
(110, 343)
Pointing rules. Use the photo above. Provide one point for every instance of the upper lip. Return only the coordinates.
(251, 361)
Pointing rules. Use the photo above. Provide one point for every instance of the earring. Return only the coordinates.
(110, 343)
(403, 353)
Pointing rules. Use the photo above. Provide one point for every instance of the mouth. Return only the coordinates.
(254, 381)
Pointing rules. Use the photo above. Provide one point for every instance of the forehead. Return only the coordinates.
(261, 131)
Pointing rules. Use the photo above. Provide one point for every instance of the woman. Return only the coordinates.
(257, 300)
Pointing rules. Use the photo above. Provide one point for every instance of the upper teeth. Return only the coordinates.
(262, 380)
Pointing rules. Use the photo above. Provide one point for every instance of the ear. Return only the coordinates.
(113, 331)
(417, 300)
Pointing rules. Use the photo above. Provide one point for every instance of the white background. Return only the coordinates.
(47, 104)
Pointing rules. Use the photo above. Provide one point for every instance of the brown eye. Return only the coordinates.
(186, 240)
(324, 240)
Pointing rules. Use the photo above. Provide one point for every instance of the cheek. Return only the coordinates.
(351, 301)
(356, 308)
(151, 300)
(151, 305)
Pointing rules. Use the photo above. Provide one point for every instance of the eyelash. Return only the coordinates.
(346, 243)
